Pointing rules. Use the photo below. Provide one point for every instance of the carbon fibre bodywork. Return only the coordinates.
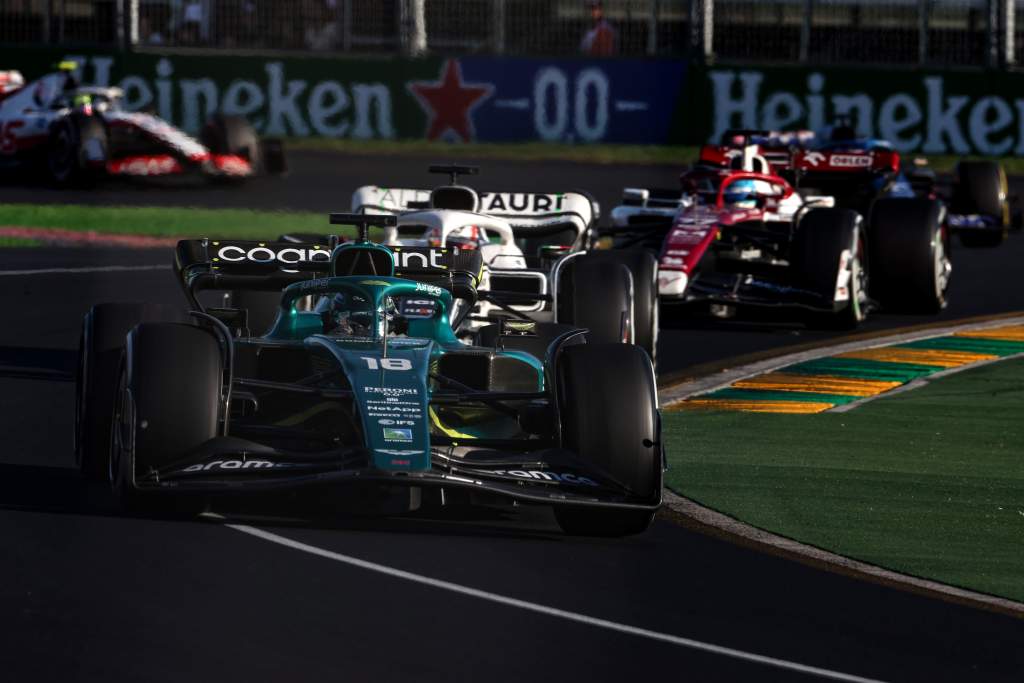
(308, 404)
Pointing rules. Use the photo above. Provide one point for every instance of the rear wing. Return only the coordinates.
(271, 266)
(10, 81)
(846, 161)
(205, 264)
(524, 211)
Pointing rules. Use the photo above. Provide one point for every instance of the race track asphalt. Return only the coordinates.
(88, 594)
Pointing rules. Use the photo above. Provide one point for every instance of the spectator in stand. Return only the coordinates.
(601, 39)
(191, 30)
(148, 33)
(321, 21)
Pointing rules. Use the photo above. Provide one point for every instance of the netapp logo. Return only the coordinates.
(232, 465)
(544, 475)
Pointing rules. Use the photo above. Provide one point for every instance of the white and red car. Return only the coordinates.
(737, 234)
(78, 134)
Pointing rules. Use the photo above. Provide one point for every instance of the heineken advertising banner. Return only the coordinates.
(458, 100)
(931, 112)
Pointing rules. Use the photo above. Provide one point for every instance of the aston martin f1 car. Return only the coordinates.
(738, 234)
(352, 397)
(78, 134)
(535, 250)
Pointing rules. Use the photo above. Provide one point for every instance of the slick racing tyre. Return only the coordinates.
(980, 187)
(594, 293)
(536, 345)
(828, 249)
(609, 415)
(167, 404)
(643, 266)
(909, 254)
(104, 329)
(233, 135)
(76, 151)
(261, 308)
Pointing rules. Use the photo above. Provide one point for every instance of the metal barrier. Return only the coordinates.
(924, 32)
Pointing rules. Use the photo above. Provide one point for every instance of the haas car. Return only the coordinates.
(350, 399)
(740, 235)
(78, 134)
(537, 264)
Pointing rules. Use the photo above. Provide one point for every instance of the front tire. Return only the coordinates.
(168, 404)
(829, 250)
(609, 414)
(102, 340)
(910, 255)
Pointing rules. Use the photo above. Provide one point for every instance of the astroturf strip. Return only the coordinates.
(863, 369)
(761, 395)
(996, 347)
(927, 482)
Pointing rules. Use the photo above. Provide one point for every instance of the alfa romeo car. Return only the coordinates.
(739, 234)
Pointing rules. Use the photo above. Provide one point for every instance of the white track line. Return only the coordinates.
(543, 609)
(93, 269)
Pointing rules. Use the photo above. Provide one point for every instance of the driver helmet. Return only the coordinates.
(351, 315)
(741, 194)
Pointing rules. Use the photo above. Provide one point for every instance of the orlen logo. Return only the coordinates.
(849, 160)
(264, 254)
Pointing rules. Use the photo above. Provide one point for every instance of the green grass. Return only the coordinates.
(527, 151)
(929, 482)
(19, 242)
(164, 222)
(675, 155)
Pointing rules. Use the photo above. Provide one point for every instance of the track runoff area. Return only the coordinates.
(902, 452)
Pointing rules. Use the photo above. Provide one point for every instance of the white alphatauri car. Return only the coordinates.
(537, 261)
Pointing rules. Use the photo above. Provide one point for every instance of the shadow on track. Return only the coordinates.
(64, 491)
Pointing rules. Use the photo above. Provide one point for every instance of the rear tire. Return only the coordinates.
(827, 242)
(72, 141)
(909, 255)
(643, 266)
(980, 187)
(102, 340)
(168, 404)
(261, 307)
(536, 346)
(610, 419)
(594, 293)
(233, 135)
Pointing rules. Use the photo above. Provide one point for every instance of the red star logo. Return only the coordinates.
(449, 102)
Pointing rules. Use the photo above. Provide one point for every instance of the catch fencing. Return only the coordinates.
(988, 33)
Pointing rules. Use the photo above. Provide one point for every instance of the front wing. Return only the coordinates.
(547, 475)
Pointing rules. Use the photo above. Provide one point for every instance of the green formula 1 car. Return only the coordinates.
(361, 387)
